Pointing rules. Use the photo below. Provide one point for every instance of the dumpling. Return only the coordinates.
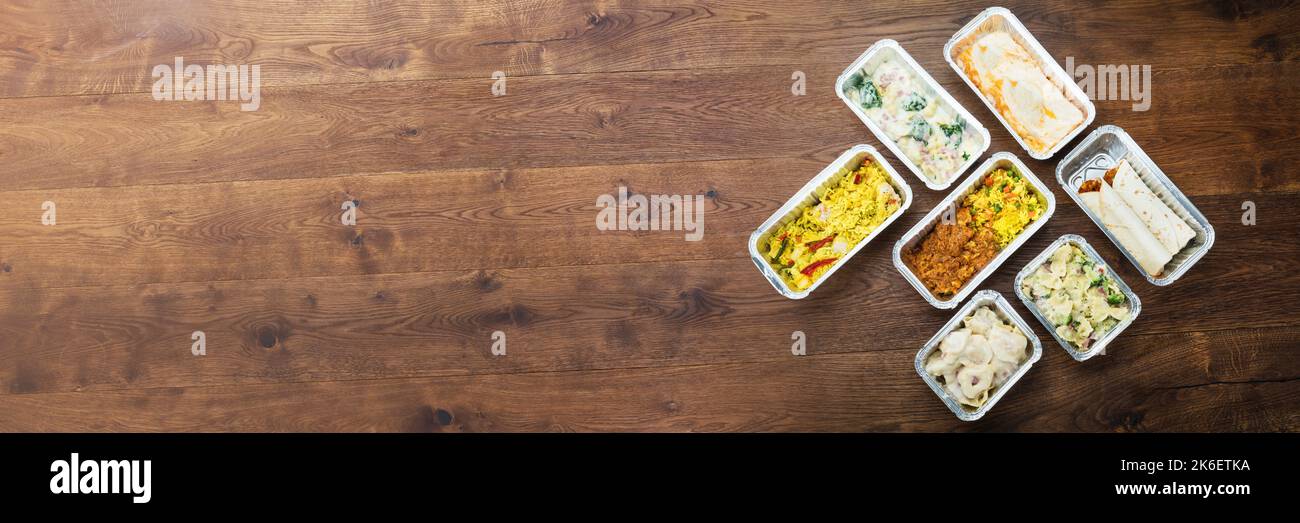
(977, 353)
(1002, 374)
(954, 342)
(982, 320)
(975, 380)
(950, 349)
(937, 365)
(954, 389)
(1008, 345)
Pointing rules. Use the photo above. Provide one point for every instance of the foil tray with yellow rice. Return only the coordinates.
(802, 250)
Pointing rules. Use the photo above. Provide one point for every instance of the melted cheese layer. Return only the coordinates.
(1026, 98)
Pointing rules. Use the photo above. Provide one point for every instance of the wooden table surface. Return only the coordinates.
(476, 213)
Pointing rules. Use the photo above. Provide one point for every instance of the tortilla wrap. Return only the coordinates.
(1127, 228)
(1172, 231)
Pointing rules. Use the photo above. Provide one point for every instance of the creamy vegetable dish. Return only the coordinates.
(928, 131)
(1077, 296)
(802, 250)
(1002, 205)
(1012, 80)
(973, 361)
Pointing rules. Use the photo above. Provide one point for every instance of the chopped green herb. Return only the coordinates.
(954, 128)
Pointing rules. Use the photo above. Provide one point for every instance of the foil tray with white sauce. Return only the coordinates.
(1135, 305)
(1103, 149)
(1002, 308)
(889, 49)
(1001, 19)
(810, 194)
(917, 233)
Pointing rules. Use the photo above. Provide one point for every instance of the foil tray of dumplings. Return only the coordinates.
(1002, 309)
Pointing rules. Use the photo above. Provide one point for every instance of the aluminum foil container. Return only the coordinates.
(1103, 149)
(1001, 19)
(809, 195)
(913, 237)
(1135, 305)
(885, 49)
(999, 305)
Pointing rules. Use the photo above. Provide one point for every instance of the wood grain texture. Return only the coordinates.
(1239, 380)
(658, 306)
(65, 47)
(477, 214)
(466, 220)
(570, 120)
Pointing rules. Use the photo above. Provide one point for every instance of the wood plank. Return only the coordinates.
(1237, 380)
(65, 47)
(665, 312)
(468, 220)
(568, 120)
